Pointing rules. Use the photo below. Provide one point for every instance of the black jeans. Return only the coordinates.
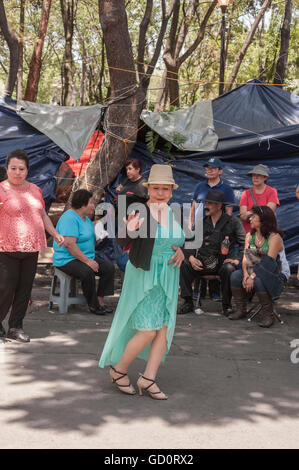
(86, 275)
(17, 273)
(188, 274)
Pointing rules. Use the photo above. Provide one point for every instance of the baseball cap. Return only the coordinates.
(215, 162)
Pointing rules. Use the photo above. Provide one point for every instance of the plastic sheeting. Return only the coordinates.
(255, 123)
(70, 127)
(44, 155)
(187, 129)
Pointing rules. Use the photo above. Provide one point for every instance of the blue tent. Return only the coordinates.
(255, 123)
(45, 156)
(49, 134)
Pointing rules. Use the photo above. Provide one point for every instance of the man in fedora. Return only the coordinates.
(214, 169)
(207, 259)
(260, 194)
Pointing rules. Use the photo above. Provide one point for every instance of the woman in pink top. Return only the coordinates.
(263, 194)
(23, 221)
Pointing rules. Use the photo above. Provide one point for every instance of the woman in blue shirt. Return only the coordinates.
(77, 256)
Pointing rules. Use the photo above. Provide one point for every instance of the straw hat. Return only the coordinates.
(161, 174)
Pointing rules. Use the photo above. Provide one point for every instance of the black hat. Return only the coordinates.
(215, 196)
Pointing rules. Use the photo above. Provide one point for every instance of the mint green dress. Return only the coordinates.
(148, 299)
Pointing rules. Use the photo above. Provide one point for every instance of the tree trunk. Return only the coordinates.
(284, 44)
(102, 74)
(175, 44)
(21, 51)
(35, 64)
(13, 45)
(262, 59)
(123, 112)
(163, 94)
(83, 86)
(246, 44)
(68, 11)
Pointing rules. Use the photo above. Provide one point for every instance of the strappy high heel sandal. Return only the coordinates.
(153, 395)
(128, 389)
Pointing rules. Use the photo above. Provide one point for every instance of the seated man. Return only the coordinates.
(217, 227)
(77, 256)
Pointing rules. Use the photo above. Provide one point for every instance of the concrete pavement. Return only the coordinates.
(230, 384)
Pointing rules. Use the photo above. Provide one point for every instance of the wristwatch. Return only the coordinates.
(252, 275)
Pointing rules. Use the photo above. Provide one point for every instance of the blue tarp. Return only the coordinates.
(255, 123)
(45, 156)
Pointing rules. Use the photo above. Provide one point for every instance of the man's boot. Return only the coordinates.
(239, 296)
(267, 309)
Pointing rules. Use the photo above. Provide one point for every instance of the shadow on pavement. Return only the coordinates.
(218, 371)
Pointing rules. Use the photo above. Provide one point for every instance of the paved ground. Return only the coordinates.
(230, 384)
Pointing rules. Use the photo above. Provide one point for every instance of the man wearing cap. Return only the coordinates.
(260, 194)
(208, 258)
(214, 169)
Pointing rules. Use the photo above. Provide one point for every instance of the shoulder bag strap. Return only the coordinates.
(253, 197)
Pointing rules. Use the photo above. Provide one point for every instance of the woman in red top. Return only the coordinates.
(23, 221)
(263, 194)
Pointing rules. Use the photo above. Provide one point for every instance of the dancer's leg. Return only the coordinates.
(133, 348)
(157, 351)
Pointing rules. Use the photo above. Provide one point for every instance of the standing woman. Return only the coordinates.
(23, 222)
(145, 318)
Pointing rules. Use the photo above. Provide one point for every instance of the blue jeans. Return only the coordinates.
(236, 280)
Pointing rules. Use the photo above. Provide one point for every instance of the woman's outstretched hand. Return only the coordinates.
(133, 222)
(178, 257)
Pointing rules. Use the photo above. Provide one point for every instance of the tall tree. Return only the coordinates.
(21, 51)
(68, 10)
(173, 56)
(284, 44)
(13, 46)
(127, 97)
(246, 44)
(36, 62)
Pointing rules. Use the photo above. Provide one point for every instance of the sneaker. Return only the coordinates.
(198, 311)
(215, 298)
(18, 334)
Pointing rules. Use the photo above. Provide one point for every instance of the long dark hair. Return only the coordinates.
(268, 221)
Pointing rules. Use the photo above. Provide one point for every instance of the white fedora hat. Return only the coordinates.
(161, 174)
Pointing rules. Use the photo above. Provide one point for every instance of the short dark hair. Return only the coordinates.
(20, 155)
(135, 163)
(268, 221)
(3, 173)
(80, 198)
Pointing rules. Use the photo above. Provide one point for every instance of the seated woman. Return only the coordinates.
(132, 184)
(77, 257)
(261, 266)
(132, 187)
